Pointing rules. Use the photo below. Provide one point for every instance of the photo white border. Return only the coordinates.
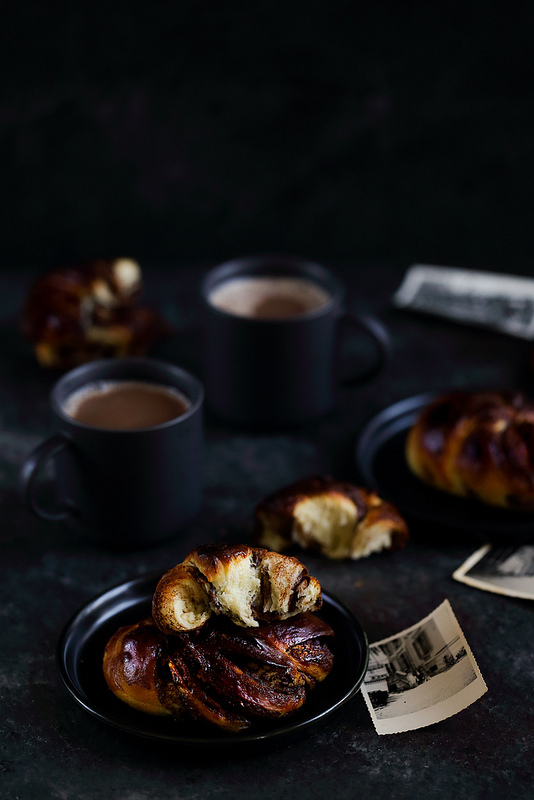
(462, 575)
(447, 624)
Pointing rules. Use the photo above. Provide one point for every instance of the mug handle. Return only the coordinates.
(30, 471)
(379, 334)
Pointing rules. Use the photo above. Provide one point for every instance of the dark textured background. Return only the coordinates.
(189, 132)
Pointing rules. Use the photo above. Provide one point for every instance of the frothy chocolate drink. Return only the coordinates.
(268, 297)
(125, 405)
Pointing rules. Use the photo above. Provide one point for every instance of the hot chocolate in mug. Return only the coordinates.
(272, 327)
(127, 451)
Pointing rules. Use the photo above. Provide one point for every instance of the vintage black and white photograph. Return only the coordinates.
(502, 302)
(503, 570)
(422, 675)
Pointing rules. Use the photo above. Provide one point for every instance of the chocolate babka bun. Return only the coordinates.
(221, 674)
(82, 311)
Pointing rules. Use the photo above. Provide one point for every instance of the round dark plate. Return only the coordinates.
(79, 660)
(381, 461)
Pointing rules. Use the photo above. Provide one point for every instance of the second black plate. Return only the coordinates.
(381, 461)
(79, 659)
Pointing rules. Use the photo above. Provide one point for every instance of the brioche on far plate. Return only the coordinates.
(220, 670)
(478, 445)
(332, 517)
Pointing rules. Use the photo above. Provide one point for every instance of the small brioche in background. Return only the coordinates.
(335, 518)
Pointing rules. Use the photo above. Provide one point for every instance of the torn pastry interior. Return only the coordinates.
(245, 584)
(80, 312)
(334, 518)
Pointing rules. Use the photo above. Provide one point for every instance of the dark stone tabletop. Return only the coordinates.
(52, 748)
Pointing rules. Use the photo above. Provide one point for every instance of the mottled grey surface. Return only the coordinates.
(51, 748)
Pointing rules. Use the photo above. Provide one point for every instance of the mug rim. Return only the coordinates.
(274, 265)
(194, 392)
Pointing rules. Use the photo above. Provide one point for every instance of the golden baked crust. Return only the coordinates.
(332, 517)
(130, 665)
(181, 600)
(477, 444)
(245, 584)
(220, 674)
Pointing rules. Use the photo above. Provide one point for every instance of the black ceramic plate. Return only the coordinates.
(79, 659)
(382, 464)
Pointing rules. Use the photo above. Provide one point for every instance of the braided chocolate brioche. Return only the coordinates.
(231, 639)
(245, 584)
(220, 674)
(477, 444)
(331, 517)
